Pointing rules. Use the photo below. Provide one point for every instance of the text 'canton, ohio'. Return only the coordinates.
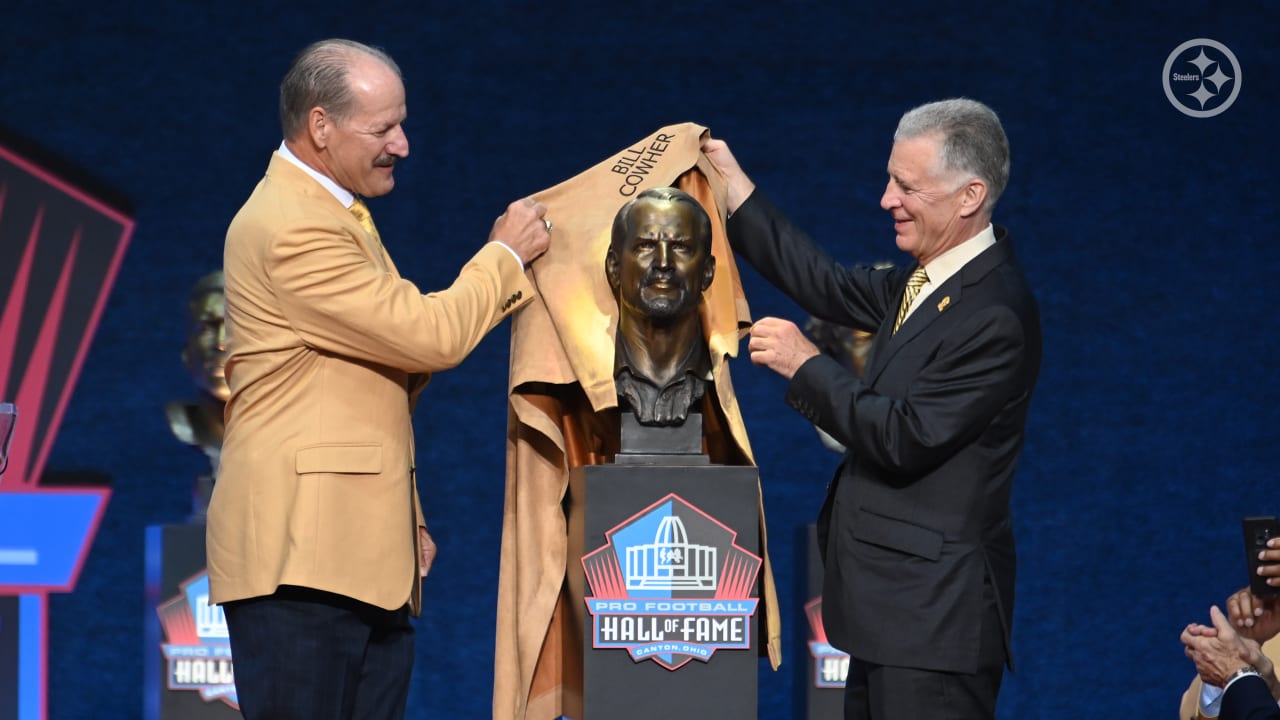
(636, 163)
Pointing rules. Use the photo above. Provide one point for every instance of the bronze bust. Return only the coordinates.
(198, 422)
(658, 264)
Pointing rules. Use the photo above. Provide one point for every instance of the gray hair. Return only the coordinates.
(973, 141)
(318, 77)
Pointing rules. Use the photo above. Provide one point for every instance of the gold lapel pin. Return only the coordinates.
(942, 305)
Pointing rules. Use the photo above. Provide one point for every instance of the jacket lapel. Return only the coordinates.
(939, 301)
(281, 170)
(944, 298)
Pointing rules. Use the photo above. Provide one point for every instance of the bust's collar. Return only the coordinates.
(697, 364)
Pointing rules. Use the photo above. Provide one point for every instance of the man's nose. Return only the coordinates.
(889, 199)
(664, 255)
(399, 143)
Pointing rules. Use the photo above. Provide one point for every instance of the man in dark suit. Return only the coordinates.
(916, 530)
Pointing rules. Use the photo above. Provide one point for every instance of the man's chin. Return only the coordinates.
(664, 309)
(381, 185)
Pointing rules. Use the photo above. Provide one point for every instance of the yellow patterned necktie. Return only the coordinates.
(361, 211)
(914, 283)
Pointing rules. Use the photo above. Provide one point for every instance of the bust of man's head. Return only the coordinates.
(659, 259)
(205, 354)
(658, 264)
(199, 423)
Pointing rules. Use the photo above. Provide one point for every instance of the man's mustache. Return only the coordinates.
(385, 161)
(654, 277)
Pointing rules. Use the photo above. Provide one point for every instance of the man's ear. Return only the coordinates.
(709, 272)
(319, 125)
(975, 194)
(611, 268)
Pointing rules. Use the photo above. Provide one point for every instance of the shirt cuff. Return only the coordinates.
(1210, 700)
(514, 254)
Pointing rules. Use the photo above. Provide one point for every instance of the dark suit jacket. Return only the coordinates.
(1249, 699)
(919, 510)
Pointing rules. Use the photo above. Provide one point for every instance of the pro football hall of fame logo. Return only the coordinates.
(830, 666)
(671, 585)
(198, 651)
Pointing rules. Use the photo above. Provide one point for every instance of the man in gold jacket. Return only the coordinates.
(316, 538)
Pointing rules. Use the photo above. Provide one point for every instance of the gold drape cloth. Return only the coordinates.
(563, 412)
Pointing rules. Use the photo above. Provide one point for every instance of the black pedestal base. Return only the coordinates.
(188, 670)
(664, 565)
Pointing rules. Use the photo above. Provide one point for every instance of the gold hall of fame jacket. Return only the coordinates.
(329, 349)
(563, 410)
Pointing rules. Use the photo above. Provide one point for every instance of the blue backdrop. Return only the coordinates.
(1148, 234)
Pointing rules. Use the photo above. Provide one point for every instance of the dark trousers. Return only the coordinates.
(883, 692)
(310, 655)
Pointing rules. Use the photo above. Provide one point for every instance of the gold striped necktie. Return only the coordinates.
(361, 211)
(914, 283)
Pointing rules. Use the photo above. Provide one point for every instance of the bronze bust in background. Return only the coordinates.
(850, 346)
(658, 264)
(198, 422)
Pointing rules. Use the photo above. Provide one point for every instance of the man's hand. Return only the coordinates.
(426, 551)
(523, 229)
(780, 346)
(1217, 651)
(1266, 668)
(1254, 617)
(738, 186)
